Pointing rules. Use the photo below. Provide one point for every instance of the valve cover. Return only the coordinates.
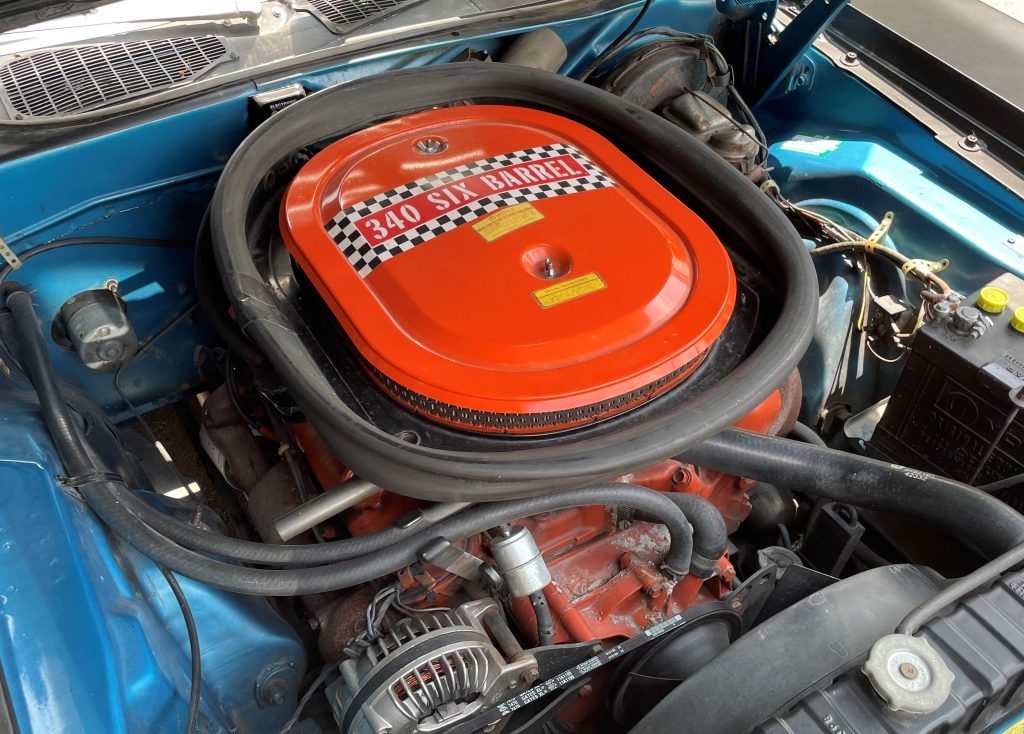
(502, 269)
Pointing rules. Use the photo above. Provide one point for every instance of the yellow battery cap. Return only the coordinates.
(993, 300)
(1017, 320)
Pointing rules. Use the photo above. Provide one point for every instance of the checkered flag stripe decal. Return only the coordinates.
(365, 257)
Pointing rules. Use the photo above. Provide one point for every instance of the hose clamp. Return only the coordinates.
(702, 567)
(671, 573)
(90, 478)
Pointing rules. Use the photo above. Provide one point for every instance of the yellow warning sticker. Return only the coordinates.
(569, 290)
(505, 220)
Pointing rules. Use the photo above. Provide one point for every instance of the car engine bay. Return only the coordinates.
(567, 375)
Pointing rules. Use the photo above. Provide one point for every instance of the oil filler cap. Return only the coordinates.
(908, 674)
(993, 300)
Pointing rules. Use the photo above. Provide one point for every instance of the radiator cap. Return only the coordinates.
(908, 674)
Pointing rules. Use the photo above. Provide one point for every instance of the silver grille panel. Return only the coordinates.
(342, 16)
(56, 82)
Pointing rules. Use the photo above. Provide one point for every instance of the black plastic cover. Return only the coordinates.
(982, 642)
(799, 650)
(832, 533)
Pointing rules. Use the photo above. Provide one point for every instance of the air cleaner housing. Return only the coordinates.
(502, 269)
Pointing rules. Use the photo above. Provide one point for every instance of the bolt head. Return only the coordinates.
(970, 142)
(111, 350)
(431, 145)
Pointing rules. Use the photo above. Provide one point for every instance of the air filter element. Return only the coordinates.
(502, 269)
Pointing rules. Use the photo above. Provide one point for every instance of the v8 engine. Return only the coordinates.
(532, 404)
(496, 311)
(500, 280)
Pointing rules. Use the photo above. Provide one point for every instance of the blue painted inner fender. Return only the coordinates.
(93, 640)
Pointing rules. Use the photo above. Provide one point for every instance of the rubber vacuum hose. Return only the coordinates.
(101, 495)
(980, 520)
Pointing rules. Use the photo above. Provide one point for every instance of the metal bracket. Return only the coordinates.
(776, 59)
(801, 79)
(921, 268)
(439, 552)
(936, 266)
(8, 254)
(751, 20)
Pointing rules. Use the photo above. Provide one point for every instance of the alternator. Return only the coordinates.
(431, 672)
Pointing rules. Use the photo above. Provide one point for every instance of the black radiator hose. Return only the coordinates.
(709, 536)
(35, 361)
(264, 554)
(974, 517)
(739, 213)
(101, 494)
(213, 301)
(345, 574)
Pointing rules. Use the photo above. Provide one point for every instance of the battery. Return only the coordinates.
(956, 410)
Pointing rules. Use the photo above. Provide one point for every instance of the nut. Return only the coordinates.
(431, 145)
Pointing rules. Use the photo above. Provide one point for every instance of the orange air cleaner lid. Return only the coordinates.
(504, 269)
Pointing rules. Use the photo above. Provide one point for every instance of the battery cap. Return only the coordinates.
(1017, 320)
(993, 300)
